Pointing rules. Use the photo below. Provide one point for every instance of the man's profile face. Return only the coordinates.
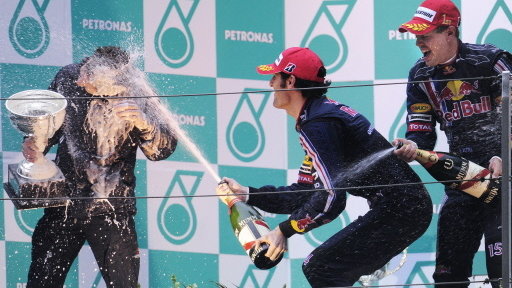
(99, 80)
(281, 98)
(437, 47)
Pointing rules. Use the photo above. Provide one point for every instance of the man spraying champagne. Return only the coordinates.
(334, 138)
(469, 113)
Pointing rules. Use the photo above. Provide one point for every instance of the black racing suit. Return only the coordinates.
(96, 164)
(469, 113)
(338, 143)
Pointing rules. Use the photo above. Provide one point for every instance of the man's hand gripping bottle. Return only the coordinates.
(469, 177)
(248, 225)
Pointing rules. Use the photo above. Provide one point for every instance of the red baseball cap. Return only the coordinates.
(300, 62)
(430, 15)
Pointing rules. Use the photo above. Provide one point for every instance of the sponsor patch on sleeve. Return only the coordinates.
(420, 107)
(349, 111)
(301, 225)
(420, 126)
(306, 171)
(305, 179)
(420, 117)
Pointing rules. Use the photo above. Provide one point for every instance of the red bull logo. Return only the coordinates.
(302, 224)
(456, 90)
(466, 108)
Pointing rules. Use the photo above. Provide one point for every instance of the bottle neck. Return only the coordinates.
(233, 201)
(426, 157)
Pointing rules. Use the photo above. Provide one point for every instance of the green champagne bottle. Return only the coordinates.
(249, 225)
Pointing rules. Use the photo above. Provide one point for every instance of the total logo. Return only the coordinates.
(29, 33)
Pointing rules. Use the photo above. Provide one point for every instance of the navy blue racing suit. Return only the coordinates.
(93, 162)
(336, 139)
(469, 113)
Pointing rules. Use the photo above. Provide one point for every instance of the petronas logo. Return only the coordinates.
(27, 219)
(29, 33)
(177, 219)
(324, 36)
(244, 134)
(318, 236)
(399, 126)
(497, 28)
(97, 280)
(421, 272)
(173, 40)
(252, 277)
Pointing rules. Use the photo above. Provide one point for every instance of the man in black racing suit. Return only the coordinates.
(336, 140)
(468, 110)
(97, 147)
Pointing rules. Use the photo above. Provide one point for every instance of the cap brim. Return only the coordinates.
(267, 69)
(416, 27)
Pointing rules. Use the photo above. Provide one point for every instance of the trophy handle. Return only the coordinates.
(42, 168)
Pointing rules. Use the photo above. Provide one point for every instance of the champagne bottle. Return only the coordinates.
(248, 225)
(470, 177)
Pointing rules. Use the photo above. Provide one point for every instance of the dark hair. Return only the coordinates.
(441, 29)
(301, 83)
(112, 56)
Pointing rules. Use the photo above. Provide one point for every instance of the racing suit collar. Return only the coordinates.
(449, 67)
(305, 111)
(303, 114)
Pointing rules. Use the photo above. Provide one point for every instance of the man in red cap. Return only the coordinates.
(468, 111)
(337, 140)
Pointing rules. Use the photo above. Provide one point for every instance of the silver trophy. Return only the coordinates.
(37, 114)
(370, 280)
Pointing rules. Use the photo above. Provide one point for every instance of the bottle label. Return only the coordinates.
(473, 174)
(240, 225)
(462, 166)
(254, 253)
(492, 191)
(250, 231)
